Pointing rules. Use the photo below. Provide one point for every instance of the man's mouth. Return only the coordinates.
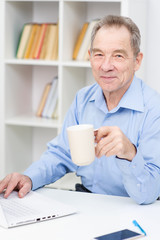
(107, 78)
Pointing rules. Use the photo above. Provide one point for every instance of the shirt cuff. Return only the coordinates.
(136, 166)
(36, 182)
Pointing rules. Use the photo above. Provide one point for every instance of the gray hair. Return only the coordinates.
(119, 21)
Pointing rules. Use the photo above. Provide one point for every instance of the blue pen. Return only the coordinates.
(137, 225)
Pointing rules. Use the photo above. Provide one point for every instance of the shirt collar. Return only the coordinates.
(132, 99)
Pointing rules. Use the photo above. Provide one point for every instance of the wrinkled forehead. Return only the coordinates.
(115, 29)
(113, 40)
(111, 35)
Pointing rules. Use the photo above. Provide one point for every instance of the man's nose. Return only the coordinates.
(107, 64)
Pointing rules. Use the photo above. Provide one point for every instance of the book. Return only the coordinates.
(55, 112)
(40, 40)
(43, 99)
(23, 40)
(53, 102)
(35, 40)
(86, 55)
(79, 40)
(51, 41)
(45, 42)
(30, 41)
(86, 41)
(55, 47)
(53, 91)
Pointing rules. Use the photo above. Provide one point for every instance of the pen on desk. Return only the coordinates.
(140, 228)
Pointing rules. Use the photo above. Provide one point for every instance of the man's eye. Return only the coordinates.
(98, 55)
(119, 56)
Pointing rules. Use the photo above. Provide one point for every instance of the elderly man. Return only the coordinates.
(126, 113)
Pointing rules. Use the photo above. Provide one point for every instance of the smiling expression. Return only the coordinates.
(113, 61)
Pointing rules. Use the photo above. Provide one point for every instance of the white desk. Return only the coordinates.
(97, 215)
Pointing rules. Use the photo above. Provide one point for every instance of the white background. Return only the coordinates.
(152, 73)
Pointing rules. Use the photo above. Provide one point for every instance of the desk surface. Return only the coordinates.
(96, 215)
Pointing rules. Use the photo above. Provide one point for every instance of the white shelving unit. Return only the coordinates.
(23, 136)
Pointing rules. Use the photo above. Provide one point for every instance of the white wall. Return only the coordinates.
(153, 45)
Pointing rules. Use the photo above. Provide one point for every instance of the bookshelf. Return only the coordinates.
(23, 136)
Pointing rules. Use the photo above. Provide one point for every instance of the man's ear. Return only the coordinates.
(138, 61)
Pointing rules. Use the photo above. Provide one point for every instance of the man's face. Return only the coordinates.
(112, 60)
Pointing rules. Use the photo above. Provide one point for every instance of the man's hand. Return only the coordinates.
(16, 181)
(112, 141)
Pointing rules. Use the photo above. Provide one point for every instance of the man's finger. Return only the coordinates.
(95, 132)
(105, 149)
(102, 132)
(9, 189)
(24, 190)
(11, 184)
(4, 183)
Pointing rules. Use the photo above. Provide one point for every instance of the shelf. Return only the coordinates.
(22, 81)
(32, 121)
(31, 62)
(93, 1)
(85, 64)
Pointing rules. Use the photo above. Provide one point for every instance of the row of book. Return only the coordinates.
(83, 42)
(48, 106)
(38, 41)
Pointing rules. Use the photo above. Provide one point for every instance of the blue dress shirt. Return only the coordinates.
(138, 116)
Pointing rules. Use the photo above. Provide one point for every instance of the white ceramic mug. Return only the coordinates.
(81, 143)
